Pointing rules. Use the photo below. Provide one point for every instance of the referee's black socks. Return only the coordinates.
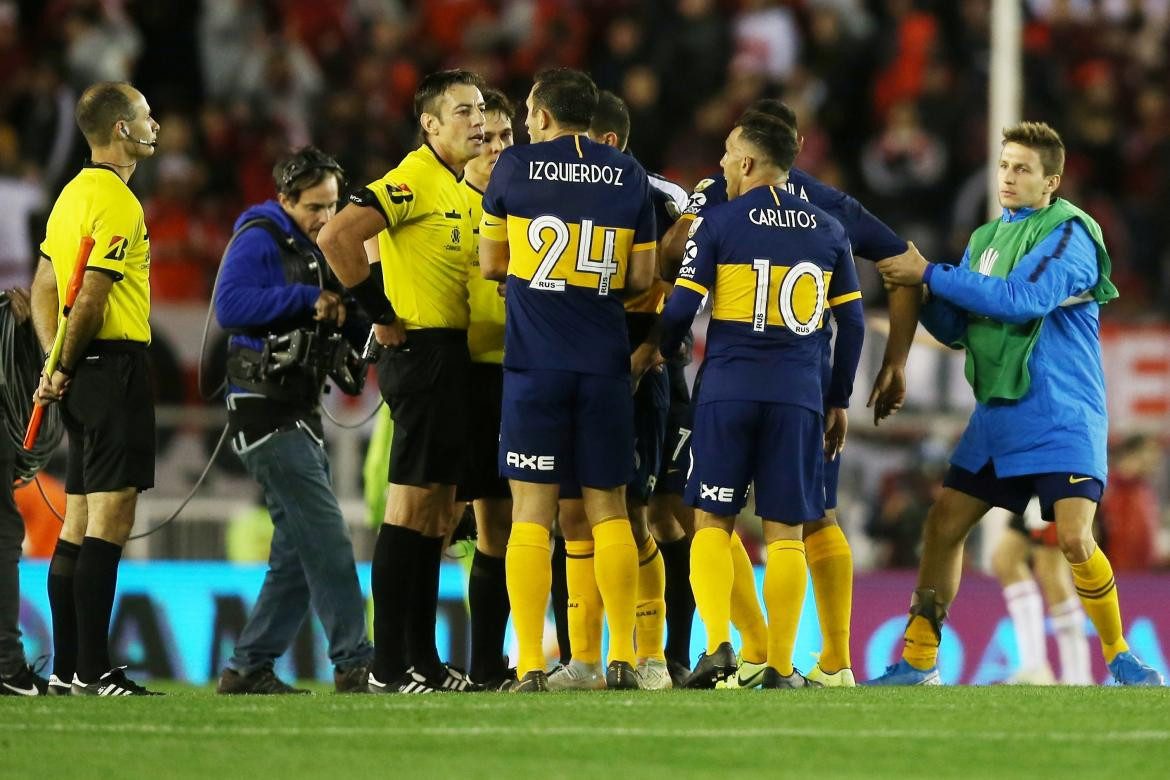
(559, 594)
(680, 599)
(487, 597)
(424, 607)
(94, 582)
(61, 571)
(392, 574)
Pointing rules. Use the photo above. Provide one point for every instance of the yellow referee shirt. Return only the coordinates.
(485, 335)
(427, 245)
(98, 203)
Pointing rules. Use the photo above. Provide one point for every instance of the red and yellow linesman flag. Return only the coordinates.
(34, 423)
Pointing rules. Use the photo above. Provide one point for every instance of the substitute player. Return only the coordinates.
(829, 557)
(772, 263)
(418, 301)
(102, 381)
(487, 587)
(570, 224)
(1024, 302)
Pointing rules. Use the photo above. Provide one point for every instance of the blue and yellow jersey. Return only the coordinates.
(870, 237)
(427, 244)
(772, 263)
(573, 212)
(485, 334)
(98, 203)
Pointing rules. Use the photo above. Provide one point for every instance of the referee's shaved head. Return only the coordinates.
(102, 106)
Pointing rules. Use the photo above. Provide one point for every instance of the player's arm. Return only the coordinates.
(1062, 266)
(494, 253)
(944, 321)
(844, 297)
(493, 256)
(643, 256)
(45, 304)
(670, 249)
(695, 280)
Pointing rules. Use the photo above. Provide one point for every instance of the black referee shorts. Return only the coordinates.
(109, 416)
(426, 382)
(486, 398)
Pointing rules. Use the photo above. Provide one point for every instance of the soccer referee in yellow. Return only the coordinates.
(417, 298)
(102, 381)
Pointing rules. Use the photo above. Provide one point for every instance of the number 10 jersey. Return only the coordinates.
(573, 212)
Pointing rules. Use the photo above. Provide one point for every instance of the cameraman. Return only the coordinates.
(275, 291)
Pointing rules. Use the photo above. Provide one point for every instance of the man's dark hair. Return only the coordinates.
(611, 116)
(776, 108)
(775, 140)
(497, 102)
(1042, 138)
(100, 107)
(435, 85)
(569, 95)
(304, 168)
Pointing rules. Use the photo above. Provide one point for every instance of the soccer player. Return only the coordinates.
(1020, 551)
(1024, 303)
(772, 263)
(487, 588)
(611, 126)
(102, 381)
(570, 224)
(829, 556)
(417, 299)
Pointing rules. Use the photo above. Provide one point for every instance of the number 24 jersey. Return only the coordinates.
(573, 212)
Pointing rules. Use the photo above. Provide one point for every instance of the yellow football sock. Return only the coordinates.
(785, 581)
(615, 562)
(745, 605)
(711, 576)
(529, 573)
(921, 648)
(1098, 592)
(651, 607)
(586, 612)
(830, 563)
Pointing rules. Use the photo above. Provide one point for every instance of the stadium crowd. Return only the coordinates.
(888, 95)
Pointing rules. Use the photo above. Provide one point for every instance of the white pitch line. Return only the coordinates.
(406, 731)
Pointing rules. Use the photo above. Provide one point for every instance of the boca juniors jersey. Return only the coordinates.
(772, 264)
(573, 212)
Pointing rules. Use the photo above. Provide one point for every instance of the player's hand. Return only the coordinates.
(392, 335)
(502, 289)
(836, 427)
(645, 358)
(18, 303)
(889, 392)
(51, 389)
(329, 308)
(906, 269)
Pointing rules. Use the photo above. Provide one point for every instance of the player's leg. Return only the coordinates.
(585, 612)
(789, 482)
(675, 547)
(722, 452)
(960, 505)
(487, 591)
(536, 456)
(746, 614)
(1065, 610)
(1074, 512)
(830, 565)
(16, 676)
(1009, 565)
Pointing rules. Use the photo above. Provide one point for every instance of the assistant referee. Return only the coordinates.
(102, 381)
(417, 297)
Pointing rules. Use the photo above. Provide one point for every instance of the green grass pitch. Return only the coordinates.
(996, 732)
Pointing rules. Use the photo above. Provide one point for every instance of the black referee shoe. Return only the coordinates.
(407, 682)
(714, 668)
(112, 683)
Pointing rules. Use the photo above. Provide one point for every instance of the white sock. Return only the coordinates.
(1027, 610)
(1068, 623)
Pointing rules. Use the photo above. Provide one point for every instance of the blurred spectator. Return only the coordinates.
(1129, 509)
(903, 500)
(21, 195)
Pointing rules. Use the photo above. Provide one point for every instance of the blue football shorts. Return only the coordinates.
(1014, 493)
(565, 427)
(777, 448)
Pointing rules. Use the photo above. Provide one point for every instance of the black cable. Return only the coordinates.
(21, 361)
